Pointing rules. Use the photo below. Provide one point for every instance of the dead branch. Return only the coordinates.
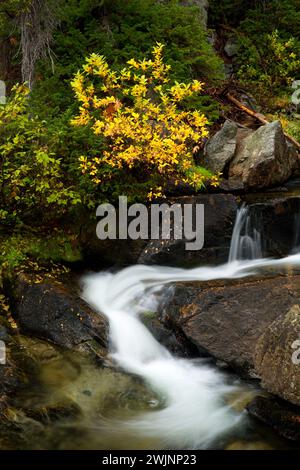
(37, 24)
(260, 117)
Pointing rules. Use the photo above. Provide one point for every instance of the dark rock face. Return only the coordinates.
(50, 311)
(265, 159)
(175, 343)
(219, 216)
(105, 253)
(11, 376)
(219, 212)
(226, 320)
(277, 356)
(281, 416)
(277, 221)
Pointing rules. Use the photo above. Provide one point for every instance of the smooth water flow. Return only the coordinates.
(194, 394)
(246, 239)
(194, 411)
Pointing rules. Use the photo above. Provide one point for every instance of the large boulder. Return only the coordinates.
(220, 149)
(225, 319)
(277, 355)
(265, 159)
(54, 312)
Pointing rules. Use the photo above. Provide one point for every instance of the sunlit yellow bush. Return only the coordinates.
(146, 133)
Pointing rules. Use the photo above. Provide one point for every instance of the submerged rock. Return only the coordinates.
(53, 312)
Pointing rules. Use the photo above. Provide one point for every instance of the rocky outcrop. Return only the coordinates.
(227, 319)
(232, 46)
(99, 254)
(277, 356)
(51, 311)
(277, 219)
(219, 216)
(220, 149)
(265, 158)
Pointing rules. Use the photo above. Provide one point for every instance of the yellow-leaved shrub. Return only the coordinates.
(146, 133)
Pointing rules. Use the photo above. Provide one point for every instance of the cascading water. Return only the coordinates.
(193, 394)
(194, 412)
(246, 240)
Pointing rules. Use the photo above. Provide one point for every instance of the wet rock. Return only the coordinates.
(99, 254)
(220, 211)
(220, 149)
(219, 216)
(53, 312)
(54, 412)
(265, 158)
(277, 356)
(226, 319)
(276, 218)
(11, 376)
(283, 417)
(177, 344)
(244, 445)
(18, 431)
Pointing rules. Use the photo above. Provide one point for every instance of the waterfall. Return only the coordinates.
(195, 411)
(246, 239)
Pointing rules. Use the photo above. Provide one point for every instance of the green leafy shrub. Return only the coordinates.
(268, 33)
(269, 62)
(32, 183)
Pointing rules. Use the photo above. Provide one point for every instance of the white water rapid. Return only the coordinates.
(195, 412)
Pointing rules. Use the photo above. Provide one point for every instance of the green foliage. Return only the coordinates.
(32, 182)
(269, 62)
(268, 33)
(257, 17)
(120, 30)
(147, 134)
(38, 253)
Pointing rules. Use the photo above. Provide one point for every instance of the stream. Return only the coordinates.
(195, 413)
(147, 397)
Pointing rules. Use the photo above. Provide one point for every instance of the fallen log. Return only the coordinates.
(260, 117)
